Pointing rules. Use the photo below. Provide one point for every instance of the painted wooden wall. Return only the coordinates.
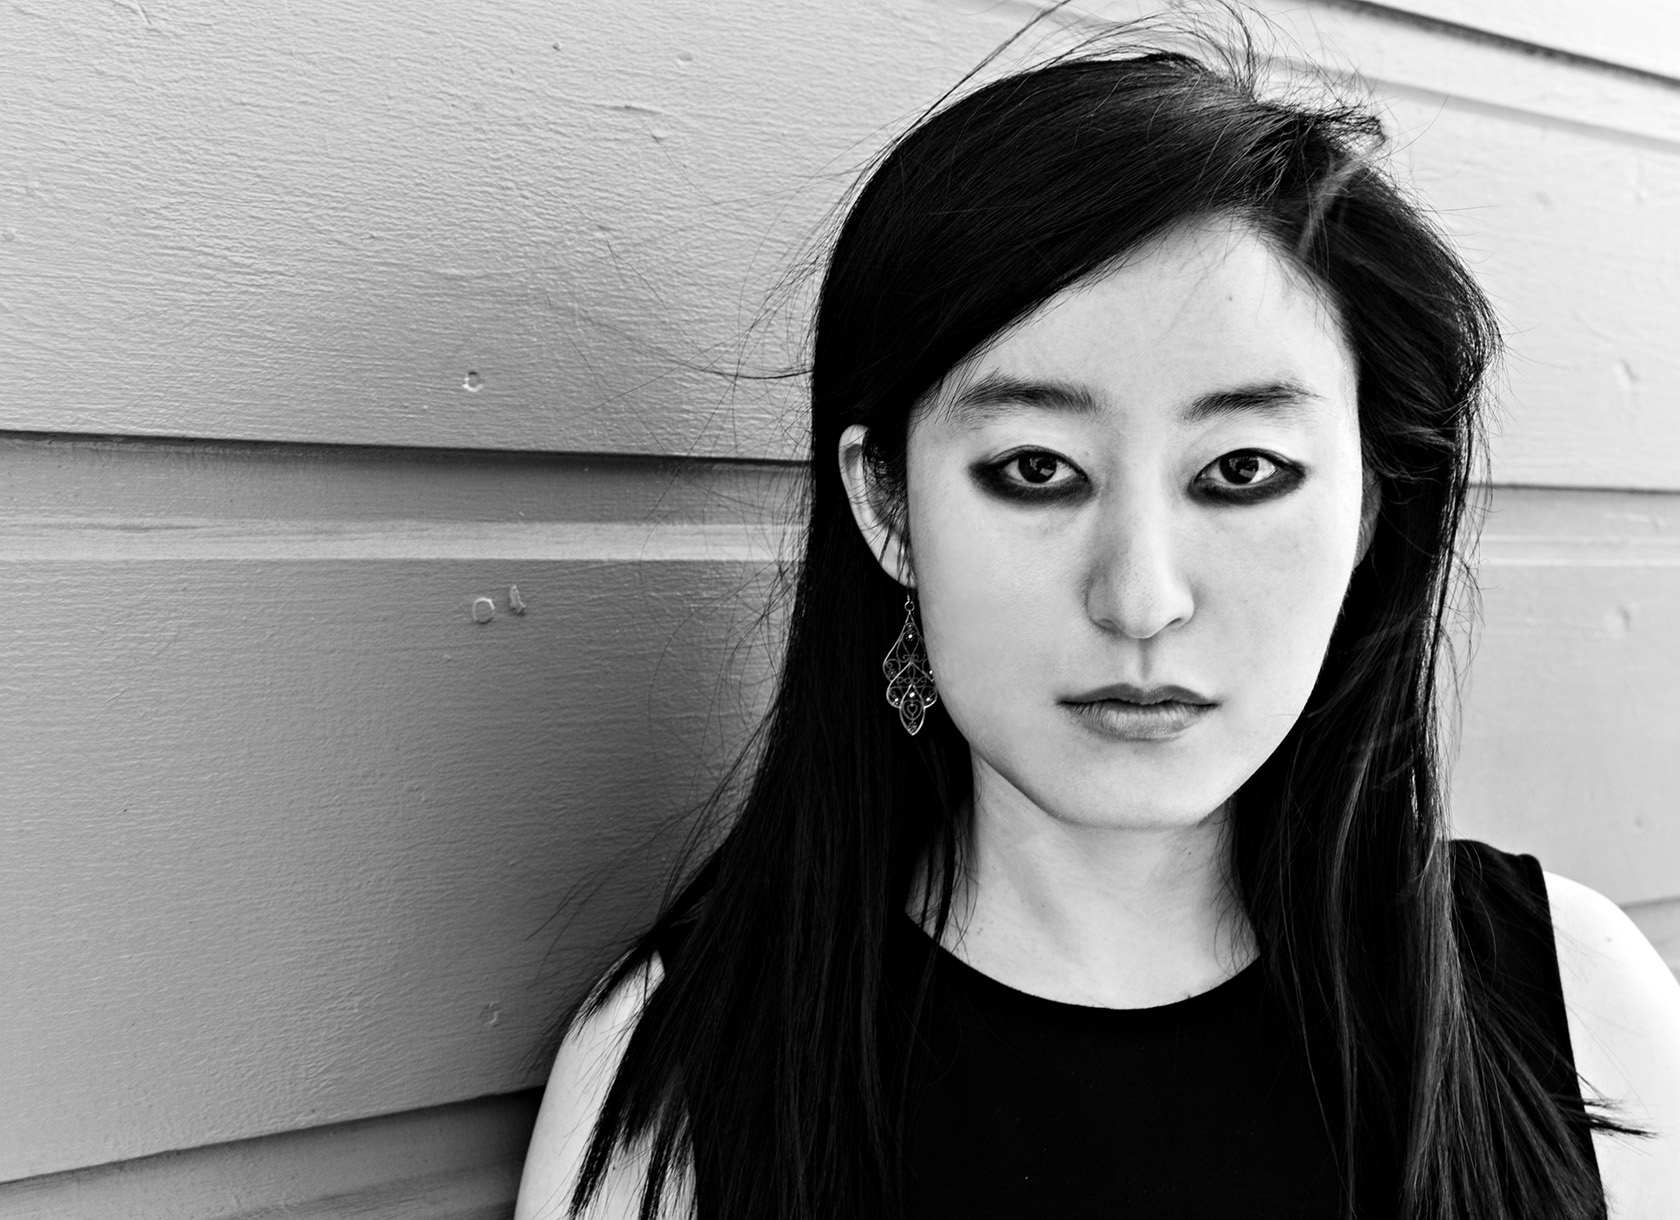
(325, 327)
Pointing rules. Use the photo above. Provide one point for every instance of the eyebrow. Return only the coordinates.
(995, 393)
(1284, 396)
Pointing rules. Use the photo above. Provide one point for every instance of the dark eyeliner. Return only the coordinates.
(1286, 480)
(991, 478)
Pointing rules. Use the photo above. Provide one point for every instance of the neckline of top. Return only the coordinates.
(1221, 990)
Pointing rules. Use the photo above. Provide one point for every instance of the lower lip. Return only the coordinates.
(1139, 721)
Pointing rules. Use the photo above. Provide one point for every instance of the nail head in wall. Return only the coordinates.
(483, 610)
(515, 602)
(472, 382)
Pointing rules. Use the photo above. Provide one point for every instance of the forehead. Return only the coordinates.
(1202, 312)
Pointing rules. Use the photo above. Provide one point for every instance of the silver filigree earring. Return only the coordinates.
(910, 687)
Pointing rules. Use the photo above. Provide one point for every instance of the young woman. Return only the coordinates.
(1093, 861)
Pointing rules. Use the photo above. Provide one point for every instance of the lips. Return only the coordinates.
(1143, 696)
(1139, 713)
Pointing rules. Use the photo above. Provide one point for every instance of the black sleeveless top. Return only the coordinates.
(1019, 1106)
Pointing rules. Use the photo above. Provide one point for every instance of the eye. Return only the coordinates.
(1030, 474)
(1245, 469)
(1247, 474)
(1037, 468)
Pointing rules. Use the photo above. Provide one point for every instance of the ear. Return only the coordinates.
(1369, 508)
(882, 535)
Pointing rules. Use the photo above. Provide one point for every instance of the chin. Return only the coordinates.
(1149, 787)
(1131, 798)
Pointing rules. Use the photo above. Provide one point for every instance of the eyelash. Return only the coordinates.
(1285, 476)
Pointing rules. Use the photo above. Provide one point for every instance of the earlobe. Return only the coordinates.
(880, 533)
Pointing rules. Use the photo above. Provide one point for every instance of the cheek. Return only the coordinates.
(993, 589)
(1274, 604)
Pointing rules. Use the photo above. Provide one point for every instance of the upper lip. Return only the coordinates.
(1126, 692)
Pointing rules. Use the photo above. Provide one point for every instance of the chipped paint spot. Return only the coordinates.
(515, 602)
(483, 610)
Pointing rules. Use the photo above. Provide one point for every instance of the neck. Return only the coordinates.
(1112, 916)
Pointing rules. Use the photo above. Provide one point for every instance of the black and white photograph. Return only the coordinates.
(840, 610)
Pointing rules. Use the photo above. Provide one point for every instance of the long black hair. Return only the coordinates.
(757, 1064)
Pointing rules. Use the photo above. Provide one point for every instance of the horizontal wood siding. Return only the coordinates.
(326, 327)
(457, 1162)
(493, 225)
(1571, 717)
(286, 829)
(1643, 35)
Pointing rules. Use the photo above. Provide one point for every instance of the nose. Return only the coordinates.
(1136, 585)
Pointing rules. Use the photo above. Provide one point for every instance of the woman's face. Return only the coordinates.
(1133, 518)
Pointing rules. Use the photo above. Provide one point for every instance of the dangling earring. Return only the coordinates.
(910, 687)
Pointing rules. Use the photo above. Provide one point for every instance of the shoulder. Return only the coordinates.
(1624, 1026)
(583, 1071)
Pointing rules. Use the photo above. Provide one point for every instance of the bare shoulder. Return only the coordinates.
(577, 1085)
(1624, 1025)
